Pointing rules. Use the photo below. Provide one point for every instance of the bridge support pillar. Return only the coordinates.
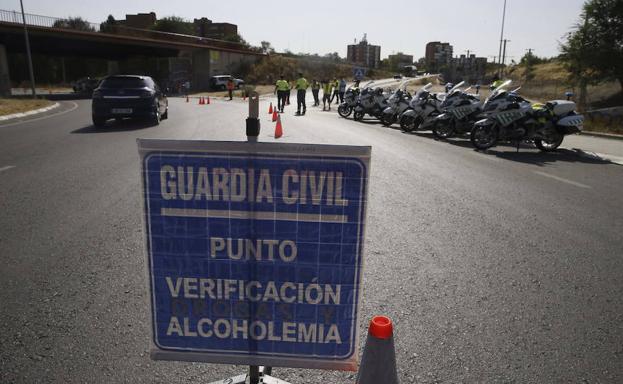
(5, 80)
(201, 69)
(113, 67)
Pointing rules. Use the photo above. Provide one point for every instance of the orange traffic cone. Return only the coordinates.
(378, 363)
(270, 108)
(278, 128)
(208, 99)
(200, 100)
(275, 115)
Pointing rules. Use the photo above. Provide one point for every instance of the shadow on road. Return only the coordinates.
(530, 156)
(115, 126)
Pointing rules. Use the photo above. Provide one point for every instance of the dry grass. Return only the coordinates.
(10, 106)
(604, 125)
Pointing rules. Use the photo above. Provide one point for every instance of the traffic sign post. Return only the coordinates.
(359, 73)
(254, 251)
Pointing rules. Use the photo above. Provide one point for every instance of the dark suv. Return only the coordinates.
(128, 96)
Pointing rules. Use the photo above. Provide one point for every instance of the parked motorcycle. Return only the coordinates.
(423, 107)
(518, 121)
(350, 100)
(372, 102)
(398, 103)
(460, 111)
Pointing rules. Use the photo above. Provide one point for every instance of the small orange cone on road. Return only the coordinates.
(200, 100)
(275, 115)
(378, 363)
(270, 108)
(208, 99)
(278, 128)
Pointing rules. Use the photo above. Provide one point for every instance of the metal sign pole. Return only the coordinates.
(257, 374)
(253, 121)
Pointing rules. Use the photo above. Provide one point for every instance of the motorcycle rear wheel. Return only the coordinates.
(483, 137)
(551, 144)
(358, 116)
(344, 110)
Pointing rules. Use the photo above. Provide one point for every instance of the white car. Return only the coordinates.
(220, 82)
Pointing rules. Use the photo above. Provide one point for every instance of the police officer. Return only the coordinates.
(327, 86)
(282, 88)
(336, 92)
(301, 86)
(315, 86)
(342, 89)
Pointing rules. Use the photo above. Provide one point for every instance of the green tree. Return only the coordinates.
(77, 23)
(529, 60)
(593, 51)
(174, 24)
(267, 47)
(108, 26)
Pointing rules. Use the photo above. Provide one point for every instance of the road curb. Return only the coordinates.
(602, 135)
(28, 113)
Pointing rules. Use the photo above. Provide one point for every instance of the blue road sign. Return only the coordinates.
(254, 251)
(359, 73)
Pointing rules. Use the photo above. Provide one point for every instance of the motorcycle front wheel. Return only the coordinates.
(444, 131)
(358, 116)
(388, 120)
(407, 123)
(483, 137)
(344, 110)
(550, 144)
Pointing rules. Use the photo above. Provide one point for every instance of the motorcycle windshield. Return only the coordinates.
(459, 85)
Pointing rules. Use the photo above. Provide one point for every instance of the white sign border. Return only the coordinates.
(360, 153)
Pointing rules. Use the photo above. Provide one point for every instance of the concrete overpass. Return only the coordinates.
(201, 57)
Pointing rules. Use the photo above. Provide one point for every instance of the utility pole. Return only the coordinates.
(32, 73)
(583, 81)
(502, 37)
(504, 56)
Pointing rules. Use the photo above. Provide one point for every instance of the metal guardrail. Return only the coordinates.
(38, 20)
(56, 22)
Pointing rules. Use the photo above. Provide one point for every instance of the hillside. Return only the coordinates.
(550, 81)
(267, 70)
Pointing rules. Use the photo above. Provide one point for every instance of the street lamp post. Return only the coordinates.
(502, 39)
(32, 73)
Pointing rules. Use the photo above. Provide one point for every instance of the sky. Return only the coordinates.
(324, 26)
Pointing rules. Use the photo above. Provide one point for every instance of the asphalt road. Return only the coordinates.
(498, 267)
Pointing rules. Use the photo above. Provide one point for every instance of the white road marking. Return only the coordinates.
(42, 117)
(563, 180)
(6, 168)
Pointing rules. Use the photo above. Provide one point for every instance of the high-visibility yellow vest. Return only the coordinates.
(282, 85)
(302, 84)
